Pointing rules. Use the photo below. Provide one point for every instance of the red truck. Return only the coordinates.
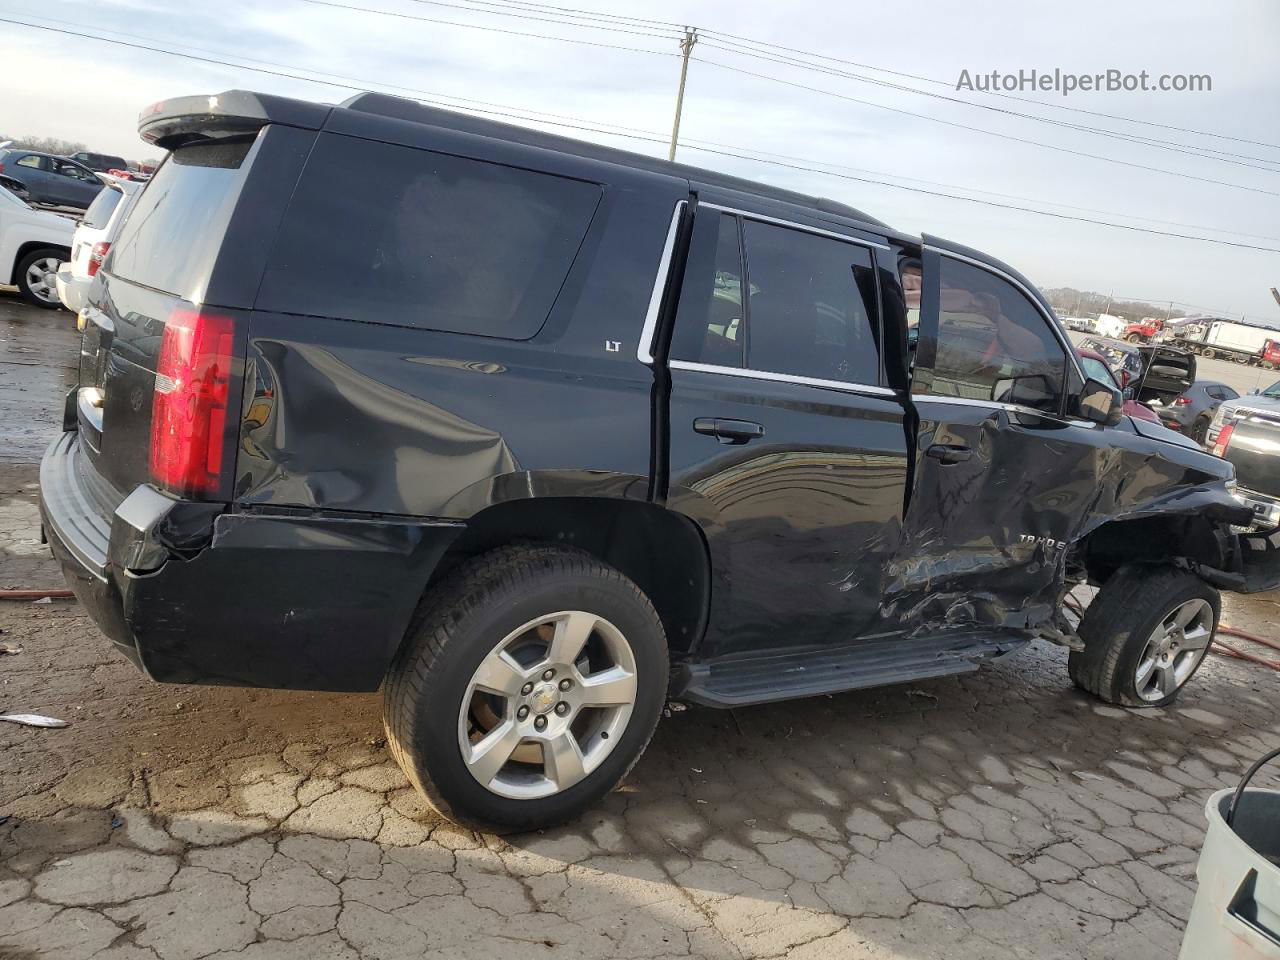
(1144, 331)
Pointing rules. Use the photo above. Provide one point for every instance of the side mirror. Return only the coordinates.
(1100, 403)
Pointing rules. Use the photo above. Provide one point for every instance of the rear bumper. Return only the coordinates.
(197, 593)
(71, 289)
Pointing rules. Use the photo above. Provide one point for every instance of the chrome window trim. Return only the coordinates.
(841, 385)
(1054, 326)
(997, 405)
(791, 224)
(644, 349)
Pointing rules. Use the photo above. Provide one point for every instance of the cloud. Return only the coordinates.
(91, 91)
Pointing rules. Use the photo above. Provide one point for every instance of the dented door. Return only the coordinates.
(1003, 477)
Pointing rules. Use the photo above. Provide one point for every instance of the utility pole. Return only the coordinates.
(686, 47)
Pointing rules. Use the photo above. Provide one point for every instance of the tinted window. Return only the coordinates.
(810, 305)
(392, 234)
(171, 236)
(710, 327)
(992, 343)
(104, 204)
(1227, 393)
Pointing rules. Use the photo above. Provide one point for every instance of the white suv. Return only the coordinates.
(32, 242)
(98, 227)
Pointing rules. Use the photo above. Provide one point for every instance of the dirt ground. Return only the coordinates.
(996, 815)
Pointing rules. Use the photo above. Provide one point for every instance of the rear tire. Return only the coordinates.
(1209, 353)
(1200, 430)
(500, 623)
(1131, 658)
(36, 273)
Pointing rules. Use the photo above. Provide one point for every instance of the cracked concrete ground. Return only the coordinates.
(995, 815)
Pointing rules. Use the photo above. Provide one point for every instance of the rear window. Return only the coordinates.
(104, 204)
(390, 234)
(171, 237)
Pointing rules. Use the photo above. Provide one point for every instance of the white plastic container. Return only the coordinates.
(1236, 913)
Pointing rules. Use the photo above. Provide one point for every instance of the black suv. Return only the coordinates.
(536, 434)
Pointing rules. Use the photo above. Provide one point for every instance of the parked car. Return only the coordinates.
(51, 180)
(17, 188)
(1192, 411)
(1080, 324)
(100, 162)
(1246, 432)
(92, 241)
(1095, 366)
(32, 243)
(1124, 358)
(501, 428)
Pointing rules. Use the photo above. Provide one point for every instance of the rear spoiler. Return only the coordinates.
(171, 123)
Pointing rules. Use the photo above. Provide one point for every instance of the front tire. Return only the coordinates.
(1145, 634)
(37, 272)
(529, 683)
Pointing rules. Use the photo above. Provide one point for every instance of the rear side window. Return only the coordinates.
(172, 235)
(390, 234)
(104, 204)
(808, 308)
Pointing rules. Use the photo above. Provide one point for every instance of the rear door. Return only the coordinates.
(1003, 476)
(784, 440)
(194, 243)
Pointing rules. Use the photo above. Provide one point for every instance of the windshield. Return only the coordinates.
(1273, 390)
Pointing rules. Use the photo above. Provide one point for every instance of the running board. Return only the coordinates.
(772, 675)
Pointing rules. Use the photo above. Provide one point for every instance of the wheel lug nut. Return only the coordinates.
(561, 708)
(526, 689)
(566, 683)
(522, 713)
(540, 723)
(548, 673)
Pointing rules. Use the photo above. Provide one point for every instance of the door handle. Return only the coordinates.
(728, 431)
(949, 453)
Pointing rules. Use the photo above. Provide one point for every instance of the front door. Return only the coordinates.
(1004, 475)
(785, 444)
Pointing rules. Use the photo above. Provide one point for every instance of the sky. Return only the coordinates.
(838, 119)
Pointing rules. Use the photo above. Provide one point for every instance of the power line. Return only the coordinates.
(830, 93)
(965, 126)
(490, 29)
(576, 12)
(749, 44)
(1006, 96)
(1206, 153)
(664, 34)
(583, 125)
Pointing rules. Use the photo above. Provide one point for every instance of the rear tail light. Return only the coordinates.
(192, 392)
(97, 255)
(1181, 401)
(1224, 439)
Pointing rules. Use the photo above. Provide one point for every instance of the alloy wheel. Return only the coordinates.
(1174, 650)
(41, 276)
(547, 705)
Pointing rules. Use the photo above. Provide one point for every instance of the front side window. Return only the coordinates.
(992, 343)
